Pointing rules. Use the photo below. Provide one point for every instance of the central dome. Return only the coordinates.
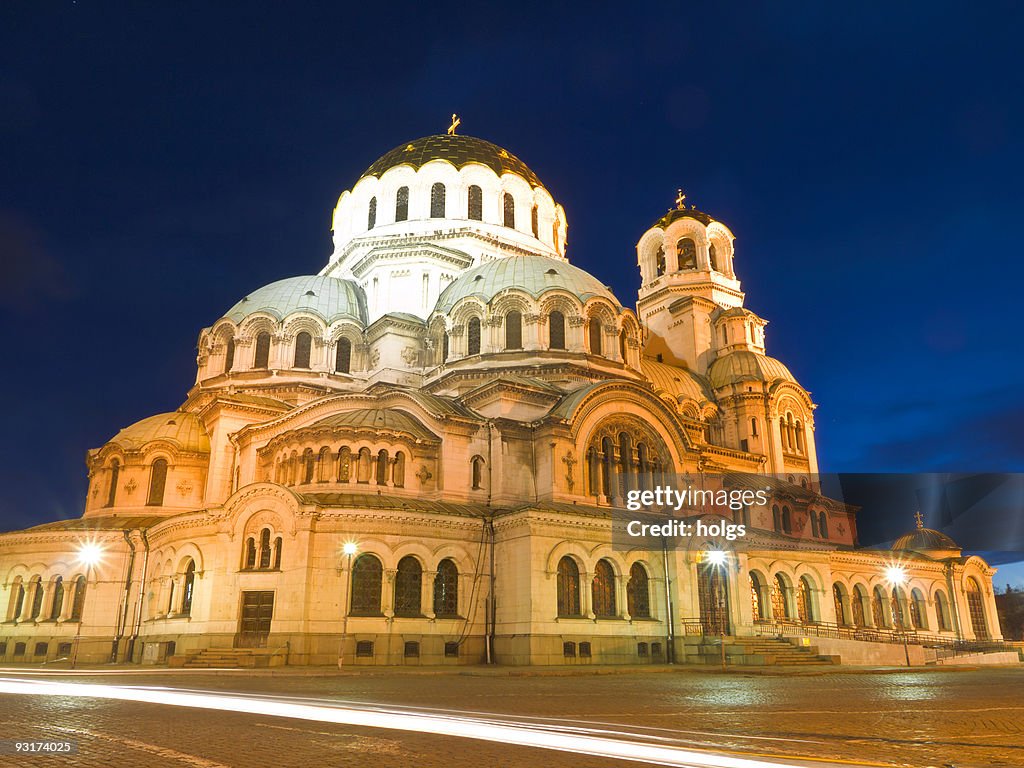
(457, 150)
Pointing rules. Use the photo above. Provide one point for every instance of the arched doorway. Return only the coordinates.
(713, 595)
(976, 608)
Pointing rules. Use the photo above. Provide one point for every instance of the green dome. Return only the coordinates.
(534, 274)
(747, 366)
(327, 297)
(181, 428)
(457, 150)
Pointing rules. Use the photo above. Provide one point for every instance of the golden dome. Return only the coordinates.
(182, 429)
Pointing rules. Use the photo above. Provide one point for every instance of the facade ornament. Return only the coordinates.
(577, 320)
(570, 461)
(424, 474)
(184, 487)
(531, 318)
(410, 355)
(374, 358)
(130, 486)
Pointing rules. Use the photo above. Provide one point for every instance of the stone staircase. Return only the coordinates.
(230, 658)
(754, 652)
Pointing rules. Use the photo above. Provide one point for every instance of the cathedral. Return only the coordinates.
(418, 456)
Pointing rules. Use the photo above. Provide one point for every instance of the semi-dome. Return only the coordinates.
(533, 274)
(457, 150)
(330, 298)
(927, 541)
(743, 365)
(182, 429)
(680, 383)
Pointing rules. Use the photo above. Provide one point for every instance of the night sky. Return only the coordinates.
(160, 161)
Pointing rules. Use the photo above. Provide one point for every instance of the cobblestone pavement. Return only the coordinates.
(912, 718)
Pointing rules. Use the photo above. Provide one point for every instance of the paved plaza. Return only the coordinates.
(962, 718)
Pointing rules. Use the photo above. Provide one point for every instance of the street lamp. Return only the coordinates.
(90, 553)
(349, 549)
(896, 575)
(716, 559)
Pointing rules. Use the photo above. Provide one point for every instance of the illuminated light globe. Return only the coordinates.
(90, 553)
(350, 548)
(715, 557)
(895, 574)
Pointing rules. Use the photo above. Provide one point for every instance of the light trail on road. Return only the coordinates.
(607, 743)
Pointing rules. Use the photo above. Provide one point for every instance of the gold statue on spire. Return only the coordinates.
(680, 200)
(456, 122)
(920, 520)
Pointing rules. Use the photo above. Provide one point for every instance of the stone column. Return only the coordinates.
(427, 594)
(387, 600)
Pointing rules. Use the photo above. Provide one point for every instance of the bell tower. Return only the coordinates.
(687, 279)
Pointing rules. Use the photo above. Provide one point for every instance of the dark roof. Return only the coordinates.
(683, 213)
(925, 540)
(457, 150)
(105, 523)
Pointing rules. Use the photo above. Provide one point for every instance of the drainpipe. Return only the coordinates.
(491, 612)
(122, 619)
(670, 651)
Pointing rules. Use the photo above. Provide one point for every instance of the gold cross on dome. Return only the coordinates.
(919, 519)
(680, 200)
(456, 122)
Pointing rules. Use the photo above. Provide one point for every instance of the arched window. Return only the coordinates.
(157, 482)
(857, 604)
(534, 224)
(446, 589)
(882, 617)
(478, 472)
(799, 433)
(371, 214)
(638, 594)
(508, 207)
(787, 521)
(344, 464)
(473, 336)
(622, 345)
(625, 464)
(402, 204)
(942, 611)
(603, 590)
(437, 195)
(776, 519)
(556, 330)
(686, 253)
(367, 576)
(363, 466)
(343, 356)
(713, 257)
(814, 523)
(568, 587)
(514, 330)
(594, 332)
(780, 605)
(382, 467)
(57, 602)
(607, 466)
(805, 600)
(229, 354)
(265, 552)
(753, 427)
(823, 525)
(17, 600)
(976, 609)
(250, 553)
(837, 599)
(308, 466)
(303, 346)
(78, 601)
(115, 470)
(476, 203)
(262, 358)
(189, 587)
(918, 612)
(398, 471)
(277, 554)
(659, 262)
(408, 587)
(445, 346)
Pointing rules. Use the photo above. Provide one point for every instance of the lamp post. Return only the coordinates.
(897, 577)
(716, 559)
(349, 549)
(89, 554)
